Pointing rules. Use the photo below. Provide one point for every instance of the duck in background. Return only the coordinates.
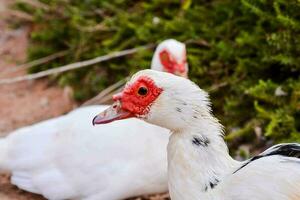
(67, 158)
(199, 165)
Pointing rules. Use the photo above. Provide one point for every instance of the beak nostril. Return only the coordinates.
(117, 96)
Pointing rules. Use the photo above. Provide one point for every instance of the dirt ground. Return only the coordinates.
(23, 103)
(27, 102)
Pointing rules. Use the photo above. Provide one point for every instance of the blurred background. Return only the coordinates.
(245, 53)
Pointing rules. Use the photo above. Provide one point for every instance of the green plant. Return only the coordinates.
(245, 53)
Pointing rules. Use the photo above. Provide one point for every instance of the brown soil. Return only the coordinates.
(23, 103)
(27, 102)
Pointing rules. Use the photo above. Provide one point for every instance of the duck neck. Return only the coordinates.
(198, 159)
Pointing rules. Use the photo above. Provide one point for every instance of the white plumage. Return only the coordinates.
(199, 165)
(67, 158)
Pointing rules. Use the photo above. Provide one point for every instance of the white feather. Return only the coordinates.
(67, 157)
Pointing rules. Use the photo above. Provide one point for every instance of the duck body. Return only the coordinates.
(199, 165)
(68, 158)
(269, 175)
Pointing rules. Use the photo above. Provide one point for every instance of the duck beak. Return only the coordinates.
(181, 70)
(113, 113)
(182, 74)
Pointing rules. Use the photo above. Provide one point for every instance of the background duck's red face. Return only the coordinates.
(134, 101)
(171, 65)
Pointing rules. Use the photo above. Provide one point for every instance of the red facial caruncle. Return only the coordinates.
(139, 96)
(170, 64)
(135, 101)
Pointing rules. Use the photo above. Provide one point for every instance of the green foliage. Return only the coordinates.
(246, 53)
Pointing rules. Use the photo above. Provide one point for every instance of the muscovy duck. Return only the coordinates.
(67, 158)
(199, 165)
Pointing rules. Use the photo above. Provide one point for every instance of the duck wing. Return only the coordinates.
(273, 174)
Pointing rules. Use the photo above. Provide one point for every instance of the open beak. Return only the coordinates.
(113, 113)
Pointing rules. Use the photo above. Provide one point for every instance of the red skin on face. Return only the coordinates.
(170, 63)
(135, 103)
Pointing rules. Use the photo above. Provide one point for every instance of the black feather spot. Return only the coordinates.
(200, 141)
(212, 184)
(178, 109)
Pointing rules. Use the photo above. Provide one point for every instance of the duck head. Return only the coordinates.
(170, 56)
(159, 98)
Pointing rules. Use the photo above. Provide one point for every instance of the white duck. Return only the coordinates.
(68, 158)
(199, 166)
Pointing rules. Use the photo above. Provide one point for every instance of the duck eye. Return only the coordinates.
(143, 91)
